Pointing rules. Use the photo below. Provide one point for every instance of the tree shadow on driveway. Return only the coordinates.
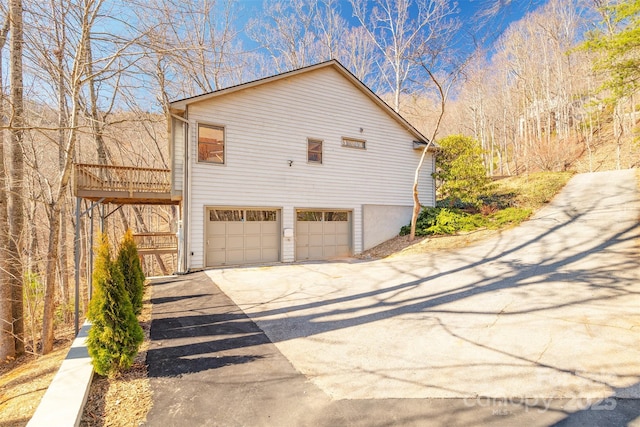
(184, 343)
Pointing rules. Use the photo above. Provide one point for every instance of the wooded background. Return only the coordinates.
(89, 81)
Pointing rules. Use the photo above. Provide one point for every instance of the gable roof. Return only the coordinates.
(181, 104)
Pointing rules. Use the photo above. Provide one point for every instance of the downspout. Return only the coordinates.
(187, 205)
(183, 235)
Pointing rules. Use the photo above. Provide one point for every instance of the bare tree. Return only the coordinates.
(402, 30)
(7, 343)
(286, 32)
(81, 73)
(16, 176)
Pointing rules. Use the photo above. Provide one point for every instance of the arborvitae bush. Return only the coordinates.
(129, 264)
(116, 335)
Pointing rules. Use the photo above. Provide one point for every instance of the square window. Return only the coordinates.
(210, 144)
(314, 151)
(354, 143)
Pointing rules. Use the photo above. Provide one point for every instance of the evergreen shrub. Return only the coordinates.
(129, 264)
(115, 334)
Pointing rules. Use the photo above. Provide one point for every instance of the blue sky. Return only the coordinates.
(483, 20)
(470, 10)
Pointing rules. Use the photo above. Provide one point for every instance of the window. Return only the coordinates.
(322, 216)
(225, 215)
(336, 216)
(314, 151)
(354, 143)
(260, 215)
(210, 144)
(309, 216)
(242, 215)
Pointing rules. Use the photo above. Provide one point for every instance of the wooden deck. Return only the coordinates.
(123, 185)
(156, 243)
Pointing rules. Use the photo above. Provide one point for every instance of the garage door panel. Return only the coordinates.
(270, 253)
(235, 256)
(235, 242)
(302, 239)
(253, 255)
(252, 227)
(270, 227)
(235, 227)
(342, 240)
(302, 252)
(315, 227)
(322, 234)
(329, 228)
(315, 252)
(252, 242)
(217, 242)
(241, 236)
(315, 239)
(216, 257)
(342, 227)
(217, 228)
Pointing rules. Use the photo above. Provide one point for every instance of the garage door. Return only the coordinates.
(322, 234)
(242, 236)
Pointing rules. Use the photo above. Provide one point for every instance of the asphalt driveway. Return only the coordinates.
(545, 316)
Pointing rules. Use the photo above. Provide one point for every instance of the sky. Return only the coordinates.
(496, 15)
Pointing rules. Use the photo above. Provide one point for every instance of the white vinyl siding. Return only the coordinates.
(266, 127)
(177, 156)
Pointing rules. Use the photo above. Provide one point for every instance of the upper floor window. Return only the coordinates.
(314, 151)
(354, 143)
(210, 144)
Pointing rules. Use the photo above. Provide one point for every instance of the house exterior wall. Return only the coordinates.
(381, 223)
(267, 127)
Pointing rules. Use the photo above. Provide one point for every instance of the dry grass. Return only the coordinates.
(24, 381)
(401, 245)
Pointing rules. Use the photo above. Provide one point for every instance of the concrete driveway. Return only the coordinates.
(548, 310)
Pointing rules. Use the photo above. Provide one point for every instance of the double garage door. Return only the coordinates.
(237, 236)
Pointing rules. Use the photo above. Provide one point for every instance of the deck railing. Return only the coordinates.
(156, 242)
(91, 177)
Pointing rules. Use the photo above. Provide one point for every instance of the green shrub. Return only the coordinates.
(509, 216)
(441, 220)
(116, 335)
(460, 169)
(129, 264)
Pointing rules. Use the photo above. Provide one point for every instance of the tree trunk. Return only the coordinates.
(16, 177)
(49, 291)
(61, 188)
(7, 344)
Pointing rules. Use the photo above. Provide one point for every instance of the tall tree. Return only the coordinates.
(402, 30)
(618, 40)
(7, 343)
(81, 73)
(16, 176)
